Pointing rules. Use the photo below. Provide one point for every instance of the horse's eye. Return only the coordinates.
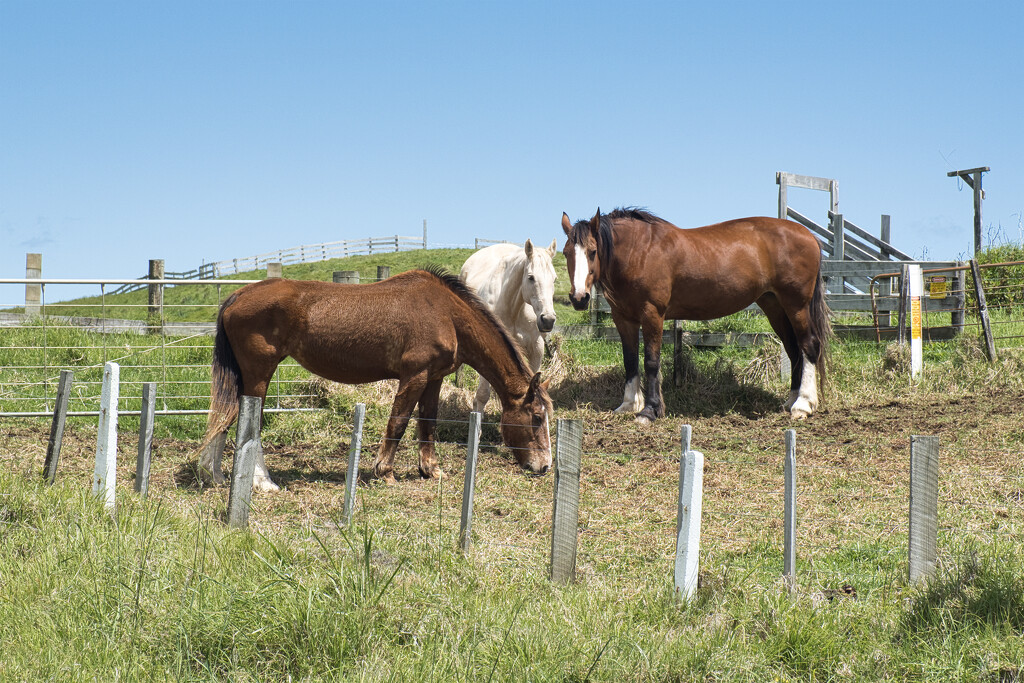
(591, 254)
(530, 278)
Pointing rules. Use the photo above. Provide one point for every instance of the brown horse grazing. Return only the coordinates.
(416, 327)
(650, 271)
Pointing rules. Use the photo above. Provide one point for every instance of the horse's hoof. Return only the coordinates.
(434, 472)
(265, 485)
(643, 420)
(797, 414)
(208, 478)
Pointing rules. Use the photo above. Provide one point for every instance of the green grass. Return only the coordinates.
(151, 595)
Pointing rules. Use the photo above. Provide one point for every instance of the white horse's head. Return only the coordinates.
(538, 287)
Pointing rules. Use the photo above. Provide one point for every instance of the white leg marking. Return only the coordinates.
(632, 399)
(261, 477)
(807, 401)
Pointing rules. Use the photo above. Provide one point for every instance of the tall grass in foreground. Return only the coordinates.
(146, 595)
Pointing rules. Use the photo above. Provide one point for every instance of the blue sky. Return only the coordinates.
(199, 131)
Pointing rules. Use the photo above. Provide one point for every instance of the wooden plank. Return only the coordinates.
(60, 414)
(147, 414)
(986, 326)
(244, 464)
(804, 181)
(871, 239)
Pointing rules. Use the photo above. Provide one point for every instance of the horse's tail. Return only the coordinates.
(225, 383)
(821, 328)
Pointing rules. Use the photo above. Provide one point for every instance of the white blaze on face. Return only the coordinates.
(579, 278)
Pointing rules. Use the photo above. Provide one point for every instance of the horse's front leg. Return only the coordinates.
(655, 408)
(427, 426)
(409, 391)
(629, 334)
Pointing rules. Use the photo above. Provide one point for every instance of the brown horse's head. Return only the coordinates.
(524, 427)
(581, 258)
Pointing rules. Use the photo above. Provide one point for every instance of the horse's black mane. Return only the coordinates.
(581, 229)
(461, 290)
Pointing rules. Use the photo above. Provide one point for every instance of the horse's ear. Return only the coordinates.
(566, 224)
(529, 248)
(595, 222)
(531, 393)
(554, 247)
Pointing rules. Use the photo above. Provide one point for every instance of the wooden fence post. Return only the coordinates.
(924, 506)
(383, 273)
(986, 326)
(60, 414)
(346, 276)
(789, 516)
(469, 484)
(156, 292)
(354, 450)
(677, 354)
(146, 418)
(275, 269)
(105, 475)
(838, 243)
(244, 464)
(957, 316)
(565, 513)
(901, 317)
(33, 293)
(691, 482)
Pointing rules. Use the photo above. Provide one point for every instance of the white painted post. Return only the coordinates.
(354, 450)
(789, 515)
(105, 475)
(916, 294)
(691, 483)
(469, 484)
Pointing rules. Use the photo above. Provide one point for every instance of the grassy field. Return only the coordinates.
(162, 590)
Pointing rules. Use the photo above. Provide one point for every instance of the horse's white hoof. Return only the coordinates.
(642, 420)
(624, 408)
(265, 485)
(801, 410)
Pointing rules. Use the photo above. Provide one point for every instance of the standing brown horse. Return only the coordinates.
(416, 327)
(651, 271)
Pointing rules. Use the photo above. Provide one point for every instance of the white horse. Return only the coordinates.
(517, 283)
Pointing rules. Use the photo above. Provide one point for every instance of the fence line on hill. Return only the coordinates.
(835, 516)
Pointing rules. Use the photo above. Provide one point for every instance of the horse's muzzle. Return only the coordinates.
(581, 303)
(546, 323)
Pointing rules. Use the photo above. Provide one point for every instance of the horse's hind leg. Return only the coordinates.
(426, 427)
(784, 330)
(808, 351)
(409, 391)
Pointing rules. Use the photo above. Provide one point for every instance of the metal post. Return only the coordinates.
(924, 505)
(146, 418)
(469, 484)
(60, 413)
(565, 513)
(354, 450)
